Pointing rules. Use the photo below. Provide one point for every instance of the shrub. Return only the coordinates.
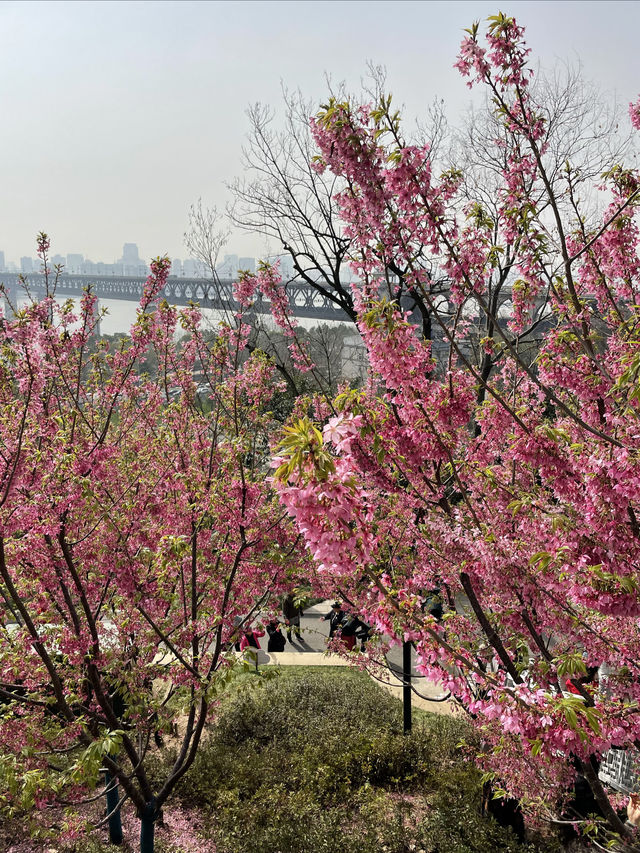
(335, 701)
(316, 756)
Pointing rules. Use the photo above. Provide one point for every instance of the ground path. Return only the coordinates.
(310, 651)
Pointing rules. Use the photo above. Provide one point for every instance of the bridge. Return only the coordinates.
(304, 300)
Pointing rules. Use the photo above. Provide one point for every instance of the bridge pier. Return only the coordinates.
(98, 331)
(10, 296)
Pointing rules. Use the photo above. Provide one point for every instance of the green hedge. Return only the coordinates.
(315, 761)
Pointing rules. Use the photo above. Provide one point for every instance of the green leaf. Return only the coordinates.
(571, 718)
(541, 559)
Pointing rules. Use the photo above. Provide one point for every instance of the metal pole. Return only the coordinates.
(406, 686)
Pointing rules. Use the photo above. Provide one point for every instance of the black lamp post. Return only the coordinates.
(406, 686)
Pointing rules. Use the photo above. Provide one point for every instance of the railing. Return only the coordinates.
(620, 771)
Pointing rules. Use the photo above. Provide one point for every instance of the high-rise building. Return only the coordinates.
(229, 267)
(58, 260)
(74, 264)
(192, 268)
(130, 263)
(247, 264)
(2, 266)
(130, 256)
(26, 264)
(176, 266)
(286, 267)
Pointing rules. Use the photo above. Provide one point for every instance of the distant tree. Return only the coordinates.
(205, 237)
(327, 351)
(325, 346)
(138, 533)
(284, 198)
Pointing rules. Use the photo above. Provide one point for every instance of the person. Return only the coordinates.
(292, 613)
(574, 685)
(336, 617)
(432, 603)
(633, 812)
(250, 639)
(351, 630)
(276, 642)
(363, 633)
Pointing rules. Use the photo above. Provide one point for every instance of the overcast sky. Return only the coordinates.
(118, 115)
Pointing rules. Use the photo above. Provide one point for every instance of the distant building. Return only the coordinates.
(2, 262)
(130, 263)
(130, 254)
(176, 266)
(26, 265)
(285, 265)
(354, 358)
(192, 268)
(58, 260)
(229, 267)
(286, 268)
(232, 265)
(74, 264)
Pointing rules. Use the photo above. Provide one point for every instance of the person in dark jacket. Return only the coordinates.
(276, 640)
(292, 613)
(433, 603)
(349, 630)
(363, 633)
(336, 617)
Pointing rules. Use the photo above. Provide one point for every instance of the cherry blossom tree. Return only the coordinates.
(138, 534)
(509, 483)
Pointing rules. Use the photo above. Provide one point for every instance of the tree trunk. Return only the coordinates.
(147, 827)
(113, 810)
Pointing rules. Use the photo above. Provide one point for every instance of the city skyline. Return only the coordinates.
(75, 263)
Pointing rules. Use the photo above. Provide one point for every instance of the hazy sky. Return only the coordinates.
(118, 115)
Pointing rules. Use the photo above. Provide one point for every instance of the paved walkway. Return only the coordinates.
(310, 651)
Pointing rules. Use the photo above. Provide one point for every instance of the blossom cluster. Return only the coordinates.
(509, 486)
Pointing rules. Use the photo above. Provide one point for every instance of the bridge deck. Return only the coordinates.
(304, 300)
